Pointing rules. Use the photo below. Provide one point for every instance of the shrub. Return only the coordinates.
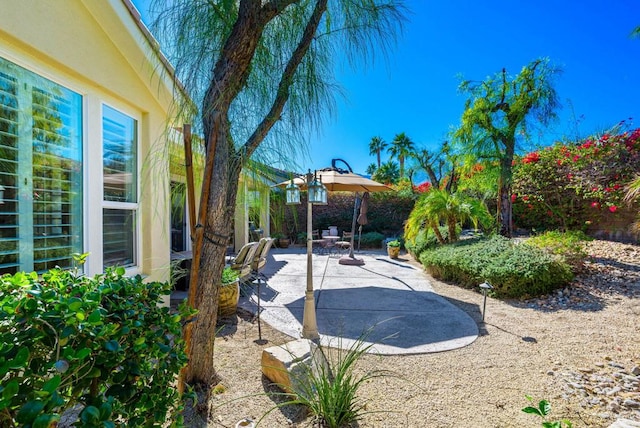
(576, 185)
(371, 240)
(102, 343)
(426, 239)
(513, 270)
(567, 245)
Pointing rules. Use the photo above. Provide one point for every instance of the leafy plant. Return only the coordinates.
(329, 385)
(103, 343)
(229, 275)
(394, 244)
(543, 409)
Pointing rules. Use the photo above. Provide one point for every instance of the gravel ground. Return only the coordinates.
(579, 348)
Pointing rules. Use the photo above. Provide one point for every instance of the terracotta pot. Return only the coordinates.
(283, 242)
(393, 252)
(229, 296)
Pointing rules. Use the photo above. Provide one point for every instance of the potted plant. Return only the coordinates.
(393, 249)
(229, 292)
(281, 239)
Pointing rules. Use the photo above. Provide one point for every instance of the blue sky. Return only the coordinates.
(415, 89)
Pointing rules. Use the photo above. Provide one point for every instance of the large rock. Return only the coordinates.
(286, 365)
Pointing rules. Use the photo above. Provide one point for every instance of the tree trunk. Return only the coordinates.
(451, 225)
(505, 212)
(217, 228)
(436, 231)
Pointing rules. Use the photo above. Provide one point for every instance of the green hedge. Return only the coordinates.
(426, 239)
(514, 270)
(103, 344)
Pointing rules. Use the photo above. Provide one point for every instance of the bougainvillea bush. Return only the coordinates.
(102, 345)
(577, 186)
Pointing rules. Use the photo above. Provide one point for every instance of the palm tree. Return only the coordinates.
(371, 169)
(401, 147)
(421, 217)
(376, 146)
(387, 173)
(439, 206)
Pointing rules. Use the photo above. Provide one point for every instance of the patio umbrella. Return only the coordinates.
(341, 180)
(362, 217)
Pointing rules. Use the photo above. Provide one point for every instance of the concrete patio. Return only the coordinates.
(391, 301)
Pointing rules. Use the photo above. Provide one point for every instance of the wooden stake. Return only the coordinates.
(191, 198)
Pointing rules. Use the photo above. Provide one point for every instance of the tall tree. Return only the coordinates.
(376, 146)
(497, 113)
(401, 147)
(256, 70)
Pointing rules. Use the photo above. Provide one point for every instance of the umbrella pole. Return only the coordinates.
(351, 259)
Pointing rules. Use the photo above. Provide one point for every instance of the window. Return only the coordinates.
(40, 172)
(120, 188)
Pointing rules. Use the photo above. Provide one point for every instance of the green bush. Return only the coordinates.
(567, 245)
(513, 270)
(102, 343)
(426, 239)
(371, 240)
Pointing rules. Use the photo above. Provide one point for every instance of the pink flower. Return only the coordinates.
(575, 158)
(595, 204)
(613, 208)
(513, 198)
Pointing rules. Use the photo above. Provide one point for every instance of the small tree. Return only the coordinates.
(255, 68)
(498, 113)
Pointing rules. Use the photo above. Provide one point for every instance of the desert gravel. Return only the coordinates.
(578, 348)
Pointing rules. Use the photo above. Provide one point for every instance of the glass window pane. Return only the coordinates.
(120, 157)
(40, 172)
(119, 237)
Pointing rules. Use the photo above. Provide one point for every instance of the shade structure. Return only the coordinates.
(340, 180)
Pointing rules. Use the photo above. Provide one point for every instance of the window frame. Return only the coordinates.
(136, 267)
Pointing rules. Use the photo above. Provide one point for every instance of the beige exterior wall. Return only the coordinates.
(95, 48)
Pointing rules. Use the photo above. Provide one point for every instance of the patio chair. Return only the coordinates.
(243, 260)
(317, 243)
(259, 262)
(345, 243)
(260, 257)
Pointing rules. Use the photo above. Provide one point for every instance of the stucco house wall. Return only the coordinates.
(97, 51)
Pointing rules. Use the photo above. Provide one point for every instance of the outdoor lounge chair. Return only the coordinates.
(260, 256)
(243, 260)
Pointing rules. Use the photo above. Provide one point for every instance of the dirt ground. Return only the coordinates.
(578, 348)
